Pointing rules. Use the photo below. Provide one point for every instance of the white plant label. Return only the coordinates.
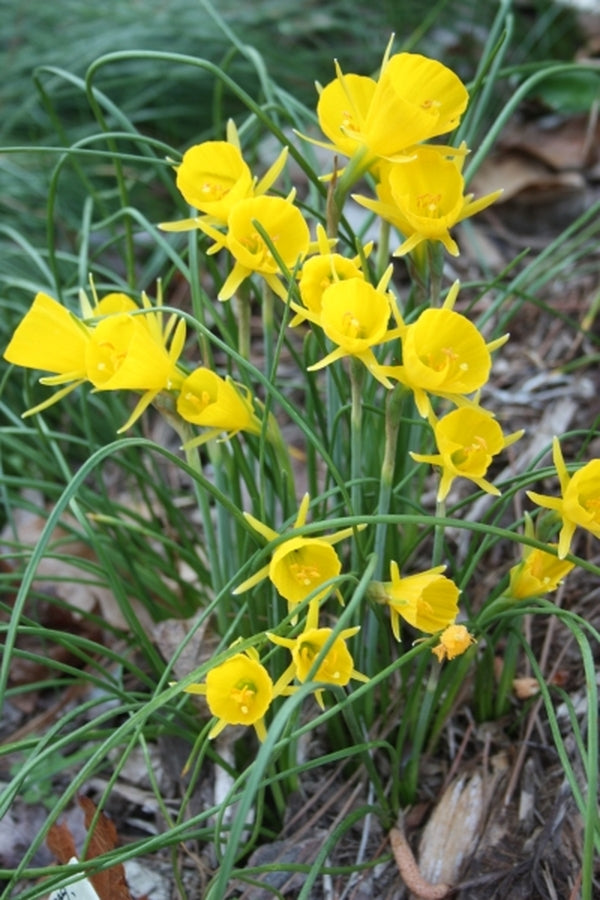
(78, 890)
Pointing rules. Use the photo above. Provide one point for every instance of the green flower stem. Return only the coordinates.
(438, 538)
(283, 464)
(383, 249)
(420, 732)
(357, 379)
(268, 331)
(243, 315)
(435, 259)
(393, 412)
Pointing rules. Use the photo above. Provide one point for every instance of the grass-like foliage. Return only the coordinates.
(265, 409)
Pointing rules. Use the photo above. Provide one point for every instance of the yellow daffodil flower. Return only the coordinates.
(323, 269)
(539, 571)
(299, 565)
(427, 601)
(52, 339)
(217, 404)
(213, 177)
(355, 316)
(239, 691)
(414, 99)
(454, 641)
(579, 505)
(286, 229)
(336, 667)
(444, 354)
(467, 439)
(424, 198)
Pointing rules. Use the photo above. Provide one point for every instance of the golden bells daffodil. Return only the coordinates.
(414, 99)
(424, 198)
(443, 353)
(467, 439)
(286, 229)
(454, 641)
(579, 505)
(213, 177)
(52, 339)
(299, 565)
(355, 316)
(428, 601)
(217, 404)
(539, 571)
(336, 666)
(239, 691)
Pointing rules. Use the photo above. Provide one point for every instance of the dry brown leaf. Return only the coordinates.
(109, 884)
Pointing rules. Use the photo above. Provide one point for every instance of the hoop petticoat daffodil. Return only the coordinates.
(467, 440)
(355, 316)
(52, 339)
(580, 501)
(299, 565)
(286, 229)
(424, 197)
(444, 354)
(539, 571)
(213, 177)
(323, 269)
(336, 666)
(218, 404)
(238, 691)
(427, 601)
(414, 99)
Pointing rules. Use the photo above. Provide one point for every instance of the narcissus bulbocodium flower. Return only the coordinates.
(336, 666)
(467, 440)
(216, 403)
(132, 352)
(51, 338)
(299, 565)
(286, 229)
(355, 316)
(444, 354)
(113, 349)
(427, 601)
(323, 269)
(539, 571)
(580, 501)
(424, 198)
(213, 177)
(454, 641)
(414, 99)
(239, 691)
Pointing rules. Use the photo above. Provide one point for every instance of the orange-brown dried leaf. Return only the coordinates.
(109, 884)
(60, 843)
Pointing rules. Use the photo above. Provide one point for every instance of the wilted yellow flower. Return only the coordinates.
(336, 667)
(427, 601)
(424, 198)
(414, 99)
(299, 565)
(213, 177)
(467, 439)
(286, 229)
(239, 691)
(580, 501)
(454, 640)
(443, 353)
(217, 404)
(50, 338)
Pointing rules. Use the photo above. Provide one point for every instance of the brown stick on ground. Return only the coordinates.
(409, 870)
